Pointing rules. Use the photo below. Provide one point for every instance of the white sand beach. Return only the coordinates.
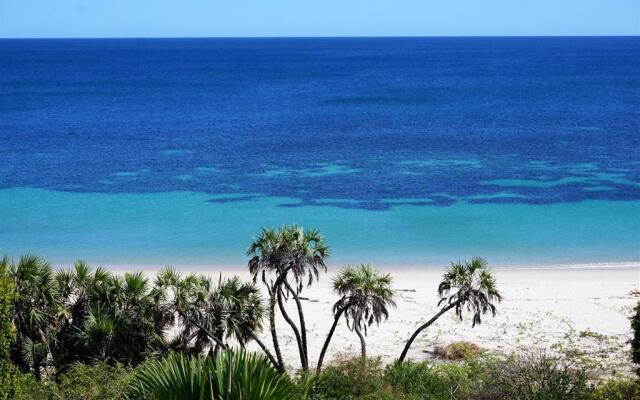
(575, 311)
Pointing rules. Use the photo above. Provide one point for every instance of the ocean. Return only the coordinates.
(402, 151)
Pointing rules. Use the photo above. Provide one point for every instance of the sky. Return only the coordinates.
(276, 18)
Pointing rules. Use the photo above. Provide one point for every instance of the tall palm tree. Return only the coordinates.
(286, 259)
(365, 296)
(37, 312)
(467, 286)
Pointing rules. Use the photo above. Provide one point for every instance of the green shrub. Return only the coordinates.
(29, 388)
(621, 389)
(423, 380)
(635, 341)
(80, 382)
(94, 382)
(533, 376)
(352, 379)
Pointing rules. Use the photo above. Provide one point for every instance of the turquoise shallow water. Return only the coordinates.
(186, 228)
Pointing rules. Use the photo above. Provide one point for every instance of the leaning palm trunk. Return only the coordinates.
(325, 346)
(265, 349)
(423, 327)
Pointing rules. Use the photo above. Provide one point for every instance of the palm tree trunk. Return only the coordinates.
(303, 326)
(421, 328)
(363, 344)
(36, 370)
(303, 358)
(325, 346)
(265, 349)
(272, 326)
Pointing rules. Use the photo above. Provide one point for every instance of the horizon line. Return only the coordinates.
(314, 37)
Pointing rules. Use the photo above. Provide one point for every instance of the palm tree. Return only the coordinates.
(75, 290)
(36, 314)
(280, 254)
(107, 317)
(365, 296)
(122, 319)
(474, 289)
(211, 315)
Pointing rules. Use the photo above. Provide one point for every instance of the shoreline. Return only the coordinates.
(385, 267)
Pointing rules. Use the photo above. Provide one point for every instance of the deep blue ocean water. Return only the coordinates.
(402, 150)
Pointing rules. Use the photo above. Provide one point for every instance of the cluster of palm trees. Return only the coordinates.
(85, 315)
(80, 315)
(289, 258)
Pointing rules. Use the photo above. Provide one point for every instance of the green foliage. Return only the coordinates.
(81, 315)
(37, 312)
(30, 388)
(80, 382)
(230, 376)
(7, 332)
(635, 341)
(88, 316)
(94, 382)
(352, 379)
(621, 389)
(210, 314)
(424, 380)
(367, 292)
(474, 288)
(289, 250)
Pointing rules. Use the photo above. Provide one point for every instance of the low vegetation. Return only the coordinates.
(532, 376)
(457, 351)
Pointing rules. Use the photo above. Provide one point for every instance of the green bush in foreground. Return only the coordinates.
(532, 377)
(424, 380)
(622, 389)
(352, 379)
(80, 382)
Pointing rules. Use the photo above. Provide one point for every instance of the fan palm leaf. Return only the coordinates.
(230, 376)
